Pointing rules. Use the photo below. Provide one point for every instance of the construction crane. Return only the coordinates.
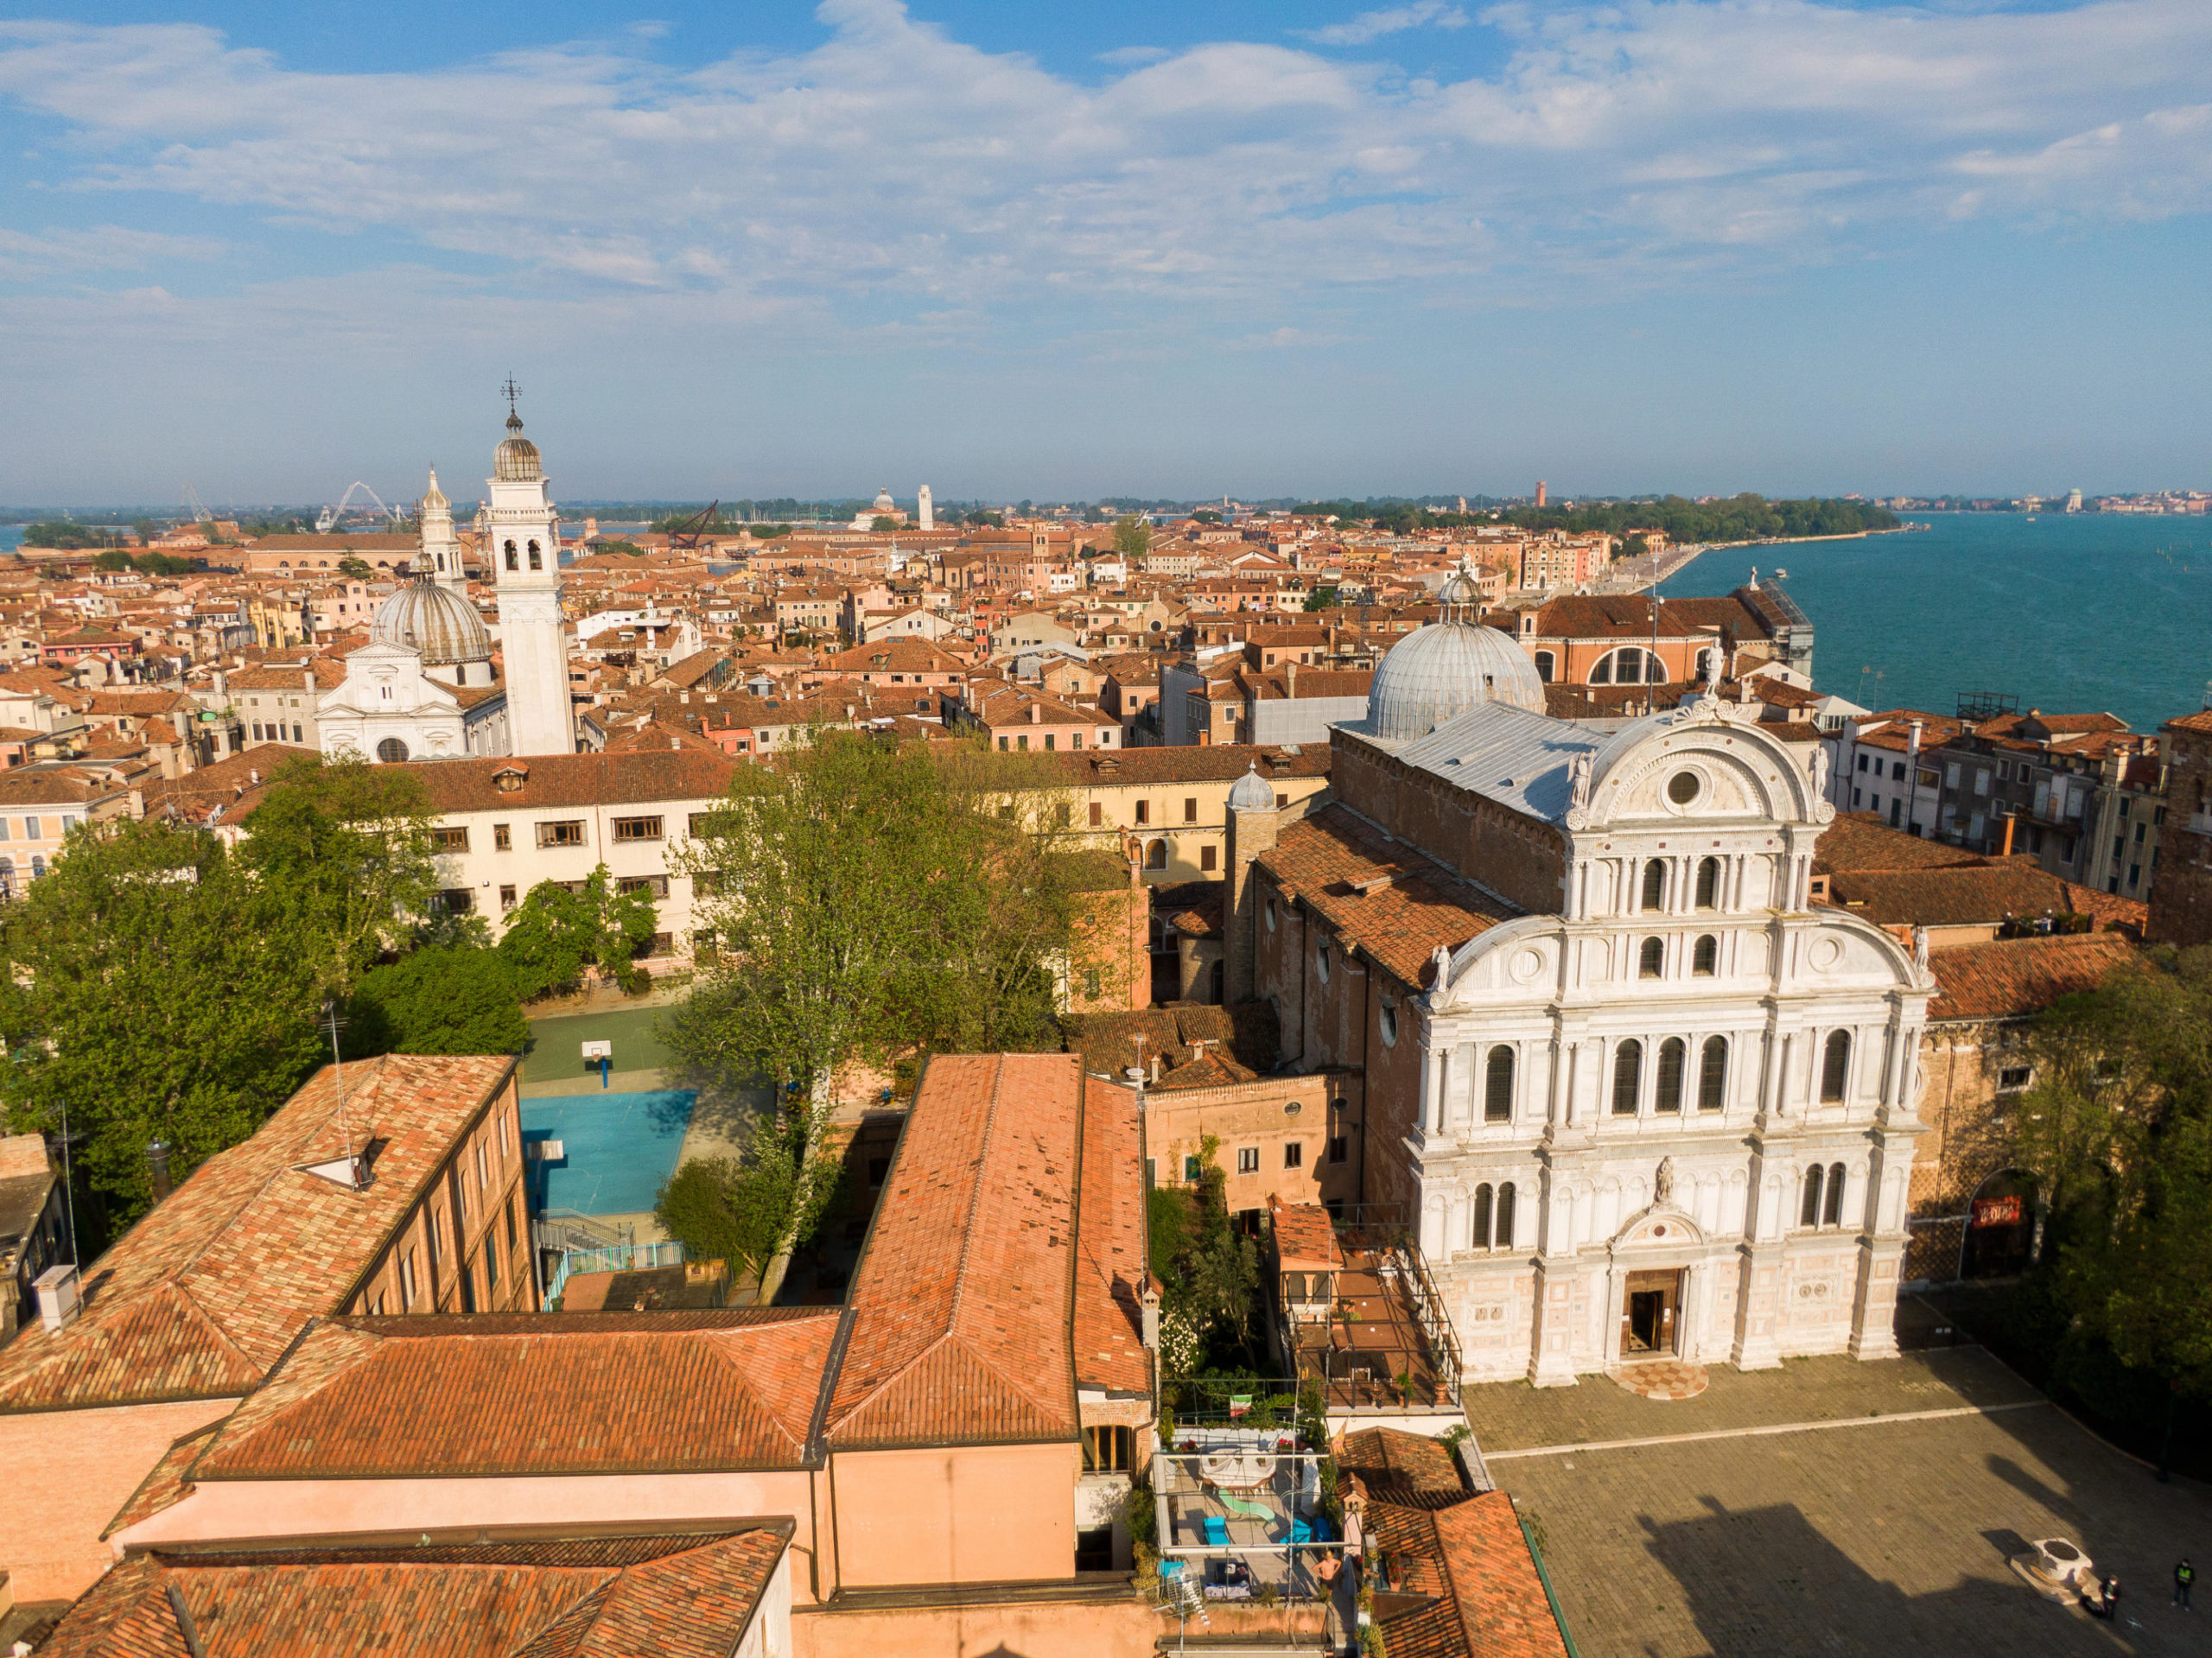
(685, 535)
(328, 519)
(200, 512)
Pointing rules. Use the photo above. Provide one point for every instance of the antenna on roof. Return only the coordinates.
(331, 1022)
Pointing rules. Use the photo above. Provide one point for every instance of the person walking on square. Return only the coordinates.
(2108, 1594)
(2184, 1575)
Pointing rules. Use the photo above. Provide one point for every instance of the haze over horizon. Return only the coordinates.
(1700, 247)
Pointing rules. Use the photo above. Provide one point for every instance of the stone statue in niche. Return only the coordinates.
(1662, 1182)
(1579, 777)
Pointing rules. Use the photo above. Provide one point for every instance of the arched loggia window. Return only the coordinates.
(1497, 1085)
(537, 558)
(1833, 1214)
(1673, 1059)
(1651, 959)
(1655, 884)
(512, 562)
(1835, 1066)
(1628, 1078)
(1708, 883)
(1808, 1213)
(1712, 1074)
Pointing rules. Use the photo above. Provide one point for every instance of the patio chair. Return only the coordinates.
(1217, 1531)
(1300, 1531)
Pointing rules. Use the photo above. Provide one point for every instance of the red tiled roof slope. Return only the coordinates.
(689, 1597)
(201, 1296)
(2013, 977)
(545, 1393)
(1413, 903)
(1110, 1269)
(962, 1304)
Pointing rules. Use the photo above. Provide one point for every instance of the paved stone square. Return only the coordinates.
(1865, 1535)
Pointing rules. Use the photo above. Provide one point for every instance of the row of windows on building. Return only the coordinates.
(1670, 1079)
(273, 732)
(560, 832)
(490, 1154)
(37, 829)
(1627, 666)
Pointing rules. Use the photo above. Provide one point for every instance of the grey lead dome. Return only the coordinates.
(435, 621)
(1438, 672)
(1250, 793)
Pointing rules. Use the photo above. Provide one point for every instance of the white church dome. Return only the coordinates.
(1251, 793)
(1438, 672)
(435, 621)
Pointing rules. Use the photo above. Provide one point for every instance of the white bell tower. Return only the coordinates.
(441, 547)
(523, 545)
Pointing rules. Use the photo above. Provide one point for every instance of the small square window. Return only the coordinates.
(1247, 1160)
(1193, 1169)
(502, 839)
(1294, 1154)
(2013, 1078)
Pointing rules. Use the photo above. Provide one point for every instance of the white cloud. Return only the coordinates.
(893, 170)
(1392, 20)
(28, 256)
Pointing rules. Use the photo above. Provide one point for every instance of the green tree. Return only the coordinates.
(344, 853)
(742, 1210)
(1132, 536)
(1323, 598)
(883, 524)
(1206, 515)
(154, 990)
(871, 901)
(1210, 1276)
(769, 531)
(113, 559)
(355, 567)
(555, 934)
(443, 999)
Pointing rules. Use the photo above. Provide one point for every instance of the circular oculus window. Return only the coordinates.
(1684, 787)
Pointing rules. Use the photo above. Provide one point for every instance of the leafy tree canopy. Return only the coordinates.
(157, 991)
(883, 524)
(555, 934)
(1322, 599)
(456, 998)
(355, 567)
(1132, 536)
(66, 537)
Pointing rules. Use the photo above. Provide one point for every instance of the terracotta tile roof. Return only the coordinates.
(961, 1305)
(1173, 1034)
(2198, 721)
(2013, 977)
(552, 782)
(1411, 903)
(680, 1595)
(1193, 764)
(1305, 1236)
(543, 1393)
(1465, 1583)
(1969, 895)
(1861, 841)
(201, 1297)
(1110, 1270)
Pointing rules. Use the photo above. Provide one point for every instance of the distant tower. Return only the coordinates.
(2074, 500)
(1543, 495)
(524, 546)
(924, 511)
(441, 547)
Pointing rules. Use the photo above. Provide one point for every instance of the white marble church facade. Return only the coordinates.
(1675, 1118)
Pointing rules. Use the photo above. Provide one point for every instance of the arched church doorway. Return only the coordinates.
(2001, 1226)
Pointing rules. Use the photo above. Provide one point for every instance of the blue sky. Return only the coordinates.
(1058, 252)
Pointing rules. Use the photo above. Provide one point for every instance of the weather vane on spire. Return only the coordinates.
(512, 391)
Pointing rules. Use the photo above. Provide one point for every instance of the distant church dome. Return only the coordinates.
(883, 501)
(515, 462)
(1438, 672)
(437, 623)
(1251, 794)
(435, 501)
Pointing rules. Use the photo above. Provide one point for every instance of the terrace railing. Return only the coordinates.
(614, 1258)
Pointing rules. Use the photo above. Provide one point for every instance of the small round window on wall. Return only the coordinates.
(391, 751)
(1684, 787)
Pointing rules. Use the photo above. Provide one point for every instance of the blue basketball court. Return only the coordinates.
(617, 1148)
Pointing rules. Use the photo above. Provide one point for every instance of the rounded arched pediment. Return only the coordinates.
(1663, 1226)
(1702, 763)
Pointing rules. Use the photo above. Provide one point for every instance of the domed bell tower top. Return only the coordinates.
(523, 545)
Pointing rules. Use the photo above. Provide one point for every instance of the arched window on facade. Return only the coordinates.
(1674, 1058)
(1835, 1066)
(512, 562)
(1708, 883)
(391, 751)
(537, 558)
(1810, 1214)
(1705, 957)
(1481, 1240)
(1628, 667)
(1651, 960)
(1833, 1215)
(1497, 1086)
(1628, 1078)
(1547, 666)
(1155, 856)
(1712, 1074)
(38, 866)
(1503, 1239)
(1655, 884)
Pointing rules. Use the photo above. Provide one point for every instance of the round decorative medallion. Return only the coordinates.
(1825, 954)
(1658, 1232)
(1527, 965)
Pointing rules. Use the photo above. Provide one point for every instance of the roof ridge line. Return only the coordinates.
(976, 1197)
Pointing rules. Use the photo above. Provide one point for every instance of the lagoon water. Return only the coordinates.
(2069, 614)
